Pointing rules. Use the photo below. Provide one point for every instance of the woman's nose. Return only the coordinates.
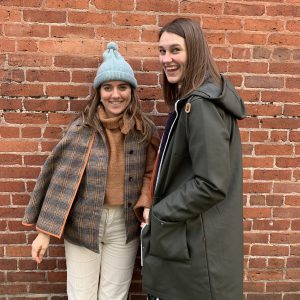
(166, 58)
(115, 93)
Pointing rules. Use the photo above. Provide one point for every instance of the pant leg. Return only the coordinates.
(83, 268)
(118, 258)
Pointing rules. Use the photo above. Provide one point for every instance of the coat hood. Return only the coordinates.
(224, 96)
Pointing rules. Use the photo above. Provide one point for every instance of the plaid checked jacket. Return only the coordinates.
(69, 193)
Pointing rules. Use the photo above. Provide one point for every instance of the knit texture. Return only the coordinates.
(114, 193)
(114, 67)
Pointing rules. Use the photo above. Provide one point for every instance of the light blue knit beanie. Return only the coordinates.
(114, 67)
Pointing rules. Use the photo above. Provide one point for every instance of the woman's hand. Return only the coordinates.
(39, 246)
(146, 213)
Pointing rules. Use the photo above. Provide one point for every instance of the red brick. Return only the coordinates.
(60, 118)
(29, 60)
(292, 83)
(272, 175)
(283, 10)
(75, 61)
(264, 149)
(266, 250)
(67, 91)
(253, 212)
(25, 276)
(263, 82)
(90, 17)
(8, 264)
(280, 96)
(133, 19)
(83, 76)
(61, 4)
(281, 54)
(283, 39)
(30, 90)
(7, 45)
(276, 263)
(18, 30)
(10, 15)
(259, 275)
(247, 38)
(25, 118)
(255, 238)
(14, 186)
(72, 31)
(40, 16)
(27, 45)
(20, 199)
(199, 8)
(264, 25)
(28, 3)
(47, 288)
(243, 9)
(115, 5)
(12, 75)
(271, 225)
(47, 76)
(31, 132)
(9, 132)
(221, 23)
(279, 136)
(12, 289)
(19, 172)
(118, 34)
(282, 287)
(57, 276)
(53, 132)
(286, 212)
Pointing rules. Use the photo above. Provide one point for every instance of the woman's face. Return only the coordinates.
(115, 97)
(172, 56)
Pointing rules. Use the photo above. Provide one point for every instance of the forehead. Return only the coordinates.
(115, 83)
(169, 39)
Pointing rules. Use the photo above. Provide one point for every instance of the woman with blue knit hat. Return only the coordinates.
(93, 189)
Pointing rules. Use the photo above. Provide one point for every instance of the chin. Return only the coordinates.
(173, 80)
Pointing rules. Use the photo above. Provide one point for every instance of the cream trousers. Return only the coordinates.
(107, 275)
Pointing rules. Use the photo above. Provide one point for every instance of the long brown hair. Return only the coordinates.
(200, 63)
(89, 115)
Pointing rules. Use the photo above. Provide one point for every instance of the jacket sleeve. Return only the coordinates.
(43, 182)
(144, 199)
(207, 140)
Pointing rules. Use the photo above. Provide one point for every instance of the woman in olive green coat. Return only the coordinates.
(193, 247)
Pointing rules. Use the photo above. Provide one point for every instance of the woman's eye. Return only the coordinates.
(107, 88)
(123, 87)
(175, 50)
(162, 52)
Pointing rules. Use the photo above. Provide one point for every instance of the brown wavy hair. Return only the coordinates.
(200, 63)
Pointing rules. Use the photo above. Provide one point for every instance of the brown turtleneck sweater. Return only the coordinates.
(116, 130)
(116, 166)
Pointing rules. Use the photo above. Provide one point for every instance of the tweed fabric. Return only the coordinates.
(57, 207)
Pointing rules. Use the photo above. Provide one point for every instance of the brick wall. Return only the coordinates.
(49, 53)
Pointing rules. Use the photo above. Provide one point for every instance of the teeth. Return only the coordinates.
(171, 69)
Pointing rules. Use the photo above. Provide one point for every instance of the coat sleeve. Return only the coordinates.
(35, 204)
(208, 141)
(145, 199)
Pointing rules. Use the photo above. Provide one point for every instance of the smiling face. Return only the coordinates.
(172, 56)
(115, 97)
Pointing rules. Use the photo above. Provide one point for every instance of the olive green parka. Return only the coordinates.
(193, 247)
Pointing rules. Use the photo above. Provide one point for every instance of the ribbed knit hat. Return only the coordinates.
(114, 67)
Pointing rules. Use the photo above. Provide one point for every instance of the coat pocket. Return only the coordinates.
(168, 240)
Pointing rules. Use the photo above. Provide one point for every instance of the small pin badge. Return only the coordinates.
(188, 107)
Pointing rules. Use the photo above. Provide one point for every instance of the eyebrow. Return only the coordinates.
(172, 45)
